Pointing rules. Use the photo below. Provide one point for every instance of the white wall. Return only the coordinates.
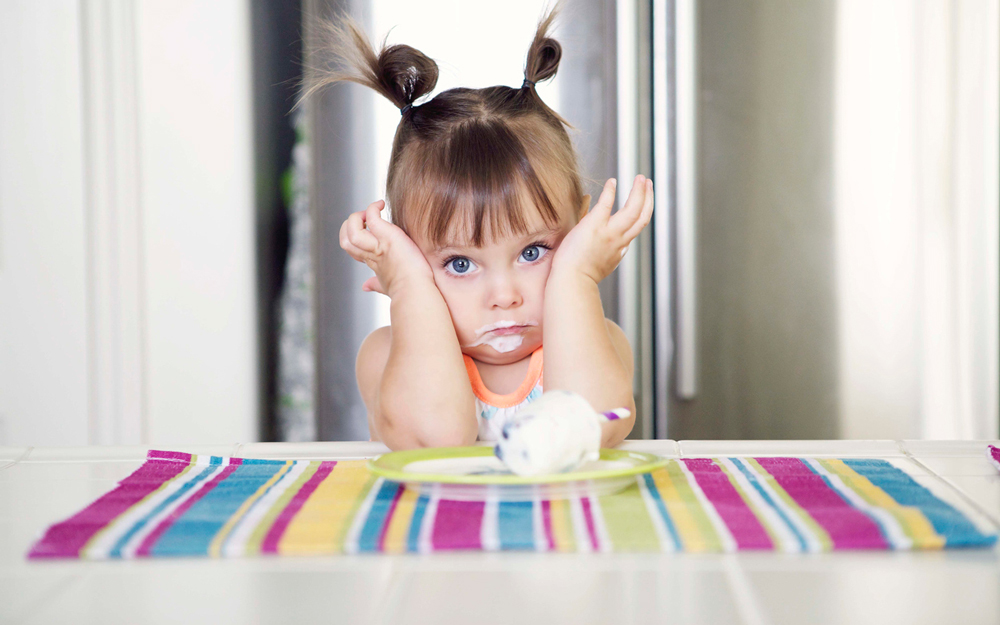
(197, 196)
(126, 223)
(43, 282)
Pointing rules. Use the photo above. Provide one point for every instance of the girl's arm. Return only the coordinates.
(424, 395)
(417, 395)
(586, 353)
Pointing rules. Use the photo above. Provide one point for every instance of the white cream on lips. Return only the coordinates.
(503, 336)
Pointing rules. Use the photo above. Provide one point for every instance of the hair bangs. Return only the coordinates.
(483, 184)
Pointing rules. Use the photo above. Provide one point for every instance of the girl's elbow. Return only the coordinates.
(397, 440)
(394, 436)
(418, 436)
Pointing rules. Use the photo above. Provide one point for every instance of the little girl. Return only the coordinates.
(490, 253)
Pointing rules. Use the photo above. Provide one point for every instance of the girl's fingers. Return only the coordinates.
(345, 239)
(606, 201)
(644, 215)
(345, 229)
(356, 253)
(623, 220)
(373, 218)
(353, 231)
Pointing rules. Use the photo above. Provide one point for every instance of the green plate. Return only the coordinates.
(478, 466)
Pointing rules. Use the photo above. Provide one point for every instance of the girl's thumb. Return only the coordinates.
(372, 284)
(373, 216)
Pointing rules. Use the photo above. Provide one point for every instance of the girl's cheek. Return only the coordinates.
(458, 297)
(545, 269)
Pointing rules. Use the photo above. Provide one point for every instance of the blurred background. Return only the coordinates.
(824, 259)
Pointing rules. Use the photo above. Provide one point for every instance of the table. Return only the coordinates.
(39, 486)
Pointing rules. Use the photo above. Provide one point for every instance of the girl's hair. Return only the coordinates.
(472, 156)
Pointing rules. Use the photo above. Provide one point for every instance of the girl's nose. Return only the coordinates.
(506, 293)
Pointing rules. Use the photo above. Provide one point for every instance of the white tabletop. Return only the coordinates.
(43, 485)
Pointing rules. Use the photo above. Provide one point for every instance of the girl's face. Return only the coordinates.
(495, 292)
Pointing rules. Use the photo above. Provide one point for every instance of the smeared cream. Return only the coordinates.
(502, 343)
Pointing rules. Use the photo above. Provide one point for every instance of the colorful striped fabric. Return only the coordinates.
(177, 504)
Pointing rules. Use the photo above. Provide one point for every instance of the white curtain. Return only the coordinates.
(916, 138)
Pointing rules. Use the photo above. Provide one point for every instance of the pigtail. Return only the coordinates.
(544, 53)
(542, 61)
(341, 51)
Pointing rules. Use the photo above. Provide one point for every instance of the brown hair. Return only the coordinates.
(467, 155)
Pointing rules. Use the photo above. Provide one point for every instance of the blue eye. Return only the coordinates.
(458, 265)
(534, 252)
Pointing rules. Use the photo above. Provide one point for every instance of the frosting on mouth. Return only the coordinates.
(502, 343)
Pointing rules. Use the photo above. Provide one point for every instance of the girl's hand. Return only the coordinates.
(596, 245)
(393, 256)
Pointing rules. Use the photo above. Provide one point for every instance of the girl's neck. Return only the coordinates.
(504, 379)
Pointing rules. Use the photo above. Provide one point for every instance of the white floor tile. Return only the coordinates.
(36, 495)
(24, 592)
(881, 591)
(954, 465)
(663, 447)
(924, 448)
(622, 593)
(10, 454)
(149, 592)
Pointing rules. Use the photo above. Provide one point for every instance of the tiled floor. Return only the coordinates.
(40, 486)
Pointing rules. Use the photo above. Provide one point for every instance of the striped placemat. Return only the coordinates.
(178, 504)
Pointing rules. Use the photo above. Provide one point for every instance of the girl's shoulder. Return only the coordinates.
(613, 327)
(376, 341)
(372, 356)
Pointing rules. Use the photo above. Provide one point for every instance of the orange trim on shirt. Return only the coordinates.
(510, 399)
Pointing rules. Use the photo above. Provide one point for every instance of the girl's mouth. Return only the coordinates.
(504, 327)
(503, 336)
(510, 330)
